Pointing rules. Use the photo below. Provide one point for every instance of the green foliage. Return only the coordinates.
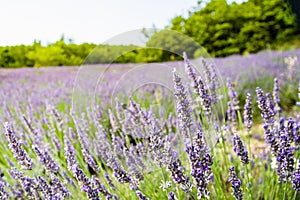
(221, 28)
(36, 55)
(173, 41)
(225, 29)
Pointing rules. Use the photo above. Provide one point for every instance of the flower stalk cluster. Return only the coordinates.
(46, 159)
(3, 193)
(285, 158)
(276, 95)
(29, 185)
(248, 113)
(266, 106)
(83, 181)
(102, 189)
(172, 196)
(211, 79)
(236, 184)
(201, 163)
(240, 149)
(199, 86)
(296, 178)
(183, 104)
(19, 153)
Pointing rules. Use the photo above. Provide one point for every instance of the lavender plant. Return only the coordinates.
(235, 184)
(132, 151)
(19, 153)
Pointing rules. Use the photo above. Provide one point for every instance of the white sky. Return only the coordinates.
(22, 21)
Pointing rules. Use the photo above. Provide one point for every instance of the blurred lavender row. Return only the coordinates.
(62, 153)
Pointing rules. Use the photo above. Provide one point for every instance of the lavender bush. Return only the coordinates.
(132, 150)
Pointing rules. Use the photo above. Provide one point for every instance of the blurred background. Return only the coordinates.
(63, 33)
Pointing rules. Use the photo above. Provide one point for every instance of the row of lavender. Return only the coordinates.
(56, 83)
(52, 154)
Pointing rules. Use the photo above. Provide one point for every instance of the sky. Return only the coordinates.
(94, 21)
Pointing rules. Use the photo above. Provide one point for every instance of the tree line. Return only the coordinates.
(222, 29)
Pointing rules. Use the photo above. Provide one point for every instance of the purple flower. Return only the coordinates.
(133, 167)
(297, 135)
(3, 193)
(175, 166)
(276, 95)
(240, 149)
(201, 163)
(236, 184)
(141, 195)
(58, 187)
(271, 139)
(298, 102)
(109, 181)
(101, 188)
(183, 104)
(171, 196)
(177, 173)
(211, 79)
(28, 184)
(46, 159)
(46, 189)
(296, 178)
(199, 86)
(285, 157)
(233, 96)
(119, 173)
(266, 106)
(29, 126)
(83, 181)
(248, 113)
(19, 153)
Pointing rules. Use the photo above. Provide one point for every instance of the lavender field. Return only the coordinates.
(228, 131)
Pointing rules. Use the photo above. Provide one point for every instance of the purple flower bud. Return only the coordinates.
(46, 159)
(19, 153)
(248, 112)
(235, 184)
(266, 106)
(3, 193)
(183, 104)
(141, 195)
(296, 178)
(240, 149)
(171, 196)
(201, 163)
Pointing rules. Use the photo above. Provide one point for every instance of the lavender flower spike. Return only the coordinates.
(109, 181)
(296, 178)
(271, 140)
(201, 163)
(28, 184)
(3, 193)
(102, 189)
(83, 181)
(58, 187)
(183, 105)
(235, 184)
(199, 86)
(46, 189)
(19, 153)
(240, 149)
(248, 113)
(267, 112)
(141, 195)
(171, 196)
(298, 102)
(276, 95)
(46, 159)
